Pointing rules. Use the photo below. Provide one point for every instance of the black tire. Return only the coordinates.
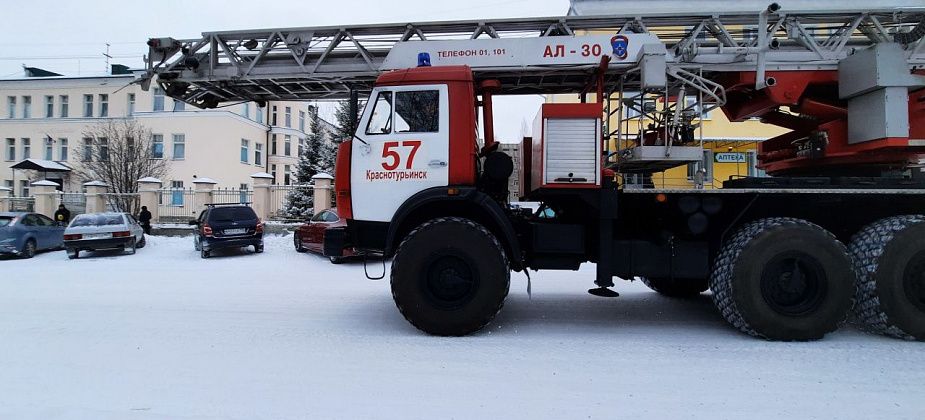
(783, 279)
(297, 241)
(679, 288)
(889, 261)
(28, 249)
(204, 254)
(258, 249)
(142, 242)
(197, 244)
(450, 277)
(133, 246)
(74, 255)
(336, 260)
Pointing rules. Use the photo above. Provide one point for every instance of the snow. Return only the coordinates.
(165, 334)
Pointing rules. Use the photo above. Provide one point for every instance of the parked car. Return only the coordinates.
(99, 231)
(223, 226)
(310, 236)
(23, 234)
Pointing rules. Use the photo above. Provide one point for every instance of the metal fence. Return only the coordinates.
(75, 202)
(176, 205)
(22, 203)
(280, 197)
(232, 195)
(123, 202)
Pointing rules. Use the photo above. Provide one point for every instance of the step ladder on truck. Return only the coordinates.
(837, 225)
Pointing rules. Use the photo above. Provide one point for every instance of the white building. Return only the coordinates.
(43, 117)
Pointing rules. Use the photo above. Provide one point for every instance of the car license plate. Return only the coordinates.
(235, 231)
(97, 235)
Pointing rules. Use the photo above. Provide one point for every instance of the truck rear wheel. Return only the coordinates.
(450, 277)
(676, 287)
(783, 279)
(889, 260)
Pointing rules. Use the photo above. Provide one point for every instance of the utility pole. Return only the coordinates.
(108, 57)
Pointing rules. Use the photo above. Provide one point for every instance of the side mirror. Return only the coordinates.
(194, 223)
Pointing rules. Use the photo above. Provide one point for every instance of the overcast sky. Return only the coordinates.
(70, 37)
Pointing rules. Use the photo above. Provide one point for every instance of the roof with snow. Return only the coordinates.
(41, 165)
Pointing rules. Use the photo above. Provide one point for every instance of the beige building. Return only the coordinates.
(43, 117)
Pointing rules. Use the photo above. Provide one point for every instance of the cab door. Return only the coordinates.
(401, 148)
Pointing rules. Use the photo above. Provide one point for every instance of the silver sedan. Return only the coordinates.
(97, 231)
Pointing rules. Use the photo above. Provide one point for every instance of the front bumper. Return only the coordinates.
(97, 244)
(220, 243)
(9, 249)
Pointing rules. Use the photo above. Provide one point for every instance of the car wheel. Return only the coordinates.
(204, 254)
(197, 244)
(258, 249)
(73, 254)
(142, 242)
(297, 241)
(133, 246)
(336, 260)
(28, 251)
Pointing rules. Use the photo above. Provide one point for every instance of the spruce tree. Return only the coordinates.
(312, 160)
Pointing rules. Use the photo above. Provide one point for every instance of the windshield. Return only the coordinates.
(97, 220)
(232, 214)
(5, 221)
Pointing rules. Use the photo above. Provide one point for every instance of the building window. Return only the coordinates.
(103, 144)
(157, 146)
(302, 121)
(176, 193)
(288, 116)
(273, 172)
(104, 105)
(88, 106)
(179, 105)
(245, 152)
(10, 149)
(273, 116)
(23, 188)
(62, 153)
(273, 150)
(11, 107)
(301, 146)
(287, 145)
(287, 174)
(246, 110)
(242, 193)
(697, 108)
(88, 150)
(63, 99)
(258, 154)
(26, 148)
(751, 159)
(131, 104)
(130, 148)
(49, 149)
(49, 106)
(158, 99)
(260, 111)
(27, 107)
(179, 146)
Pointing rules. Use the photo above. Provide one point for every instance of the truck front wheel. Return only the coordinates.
(783, 279)
(450, 277)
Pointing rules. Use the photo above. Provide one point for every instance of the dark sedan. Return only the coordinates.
(24, 234)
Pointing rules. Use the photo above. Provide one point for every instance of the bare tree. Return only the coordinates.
(119, 152)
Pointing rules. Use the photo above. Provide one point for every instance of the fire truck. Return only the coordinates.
(836, 231)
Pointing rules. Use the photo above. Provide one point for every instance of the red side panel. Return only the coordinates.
(342, 180)
(463, 146)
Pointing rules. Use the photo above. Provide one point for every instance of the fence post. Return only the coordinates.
(96, 200)
(322, 192)
(148, 190)
(5, 198)
(261, 204)
(45, 193)
(202, 193)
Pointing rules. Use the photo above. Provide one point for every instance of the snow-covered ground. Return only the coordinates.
(164, 334)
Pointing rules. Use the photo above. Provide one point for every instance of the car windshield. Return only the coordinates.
(97, 220)
(232, 213)
(5, 221)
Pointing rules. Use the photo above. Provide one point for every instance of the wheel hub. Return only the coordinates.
(450, 282)
(793, 284)
(914, 281)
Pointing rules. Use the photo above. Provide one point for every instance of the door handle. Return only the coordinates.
(437, 164)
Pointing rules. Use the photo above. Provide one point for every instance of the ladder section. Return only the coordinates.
(319, 63)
